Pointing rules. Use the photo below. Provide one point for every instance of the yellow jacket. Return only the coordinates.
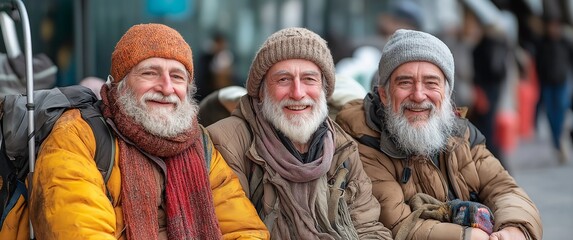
(69, 201)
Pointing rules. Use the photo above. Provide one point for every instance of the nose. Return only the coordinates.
(165, 86)
(297, 91)
(419, 93)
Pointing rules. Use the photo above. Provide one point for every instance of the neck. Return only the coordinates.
(301, 147)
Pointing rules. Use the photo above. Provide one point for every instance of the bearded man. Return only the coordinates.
(430, 169)
(300, 170)
(167, 181)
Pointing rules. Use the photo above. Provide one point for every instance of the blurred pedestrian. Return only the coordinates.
(554, 59)
(490, 74)
(215, 70)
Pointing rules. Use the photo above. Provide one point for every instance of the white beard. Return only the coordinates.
(298, 128)
(425, 139)
(162, 122)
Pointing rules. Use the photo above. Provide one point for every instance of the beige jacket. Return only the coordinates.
(233, 138)
(469, 170)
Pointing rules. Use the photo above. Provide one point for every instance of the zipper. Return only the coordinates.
(442, 178)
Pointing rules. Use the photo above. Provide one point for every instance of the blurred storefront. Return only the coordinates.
(79, 35)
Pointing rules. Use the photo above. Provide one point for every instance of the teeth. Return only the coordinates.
(296, 107)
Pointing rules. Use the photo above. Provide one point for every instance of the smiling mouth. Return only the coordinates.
(297, 107)
(417, 109)
(152, 103)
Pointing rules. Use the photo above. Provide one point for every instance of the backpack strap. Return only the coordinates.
(105, 144)
(83, 99)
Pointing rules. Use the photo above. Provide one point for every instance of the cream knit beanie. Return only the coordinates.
(291, 43)
(408, 46)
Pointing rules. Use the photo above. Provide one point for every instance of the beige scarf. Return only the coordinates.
(302, 189)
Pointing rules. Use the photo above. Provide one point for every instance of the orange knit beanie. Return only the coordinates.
(145, 41)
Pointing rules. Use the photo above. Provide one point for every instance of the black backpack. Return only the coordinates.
(49, 106)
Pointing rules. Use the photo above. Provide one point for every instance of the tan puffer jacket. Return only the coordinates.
(470, 170)
(233, 138)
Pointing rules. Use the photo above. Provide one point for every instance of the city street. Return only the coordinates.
(550, 185)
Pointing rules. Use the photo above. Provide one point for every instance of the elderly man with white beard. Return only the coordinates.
(299, 169)
(430, 169)
(167, 180)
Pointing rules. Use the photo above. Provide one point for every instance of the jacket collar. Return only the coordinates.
(375, 120)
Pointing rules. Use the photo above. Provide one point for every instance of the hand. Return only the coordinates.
(478, 234)
(508, 233)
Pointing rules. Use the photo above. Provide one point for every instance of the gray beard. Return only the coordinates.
(162, 122)
(298, 129)
(426, 139)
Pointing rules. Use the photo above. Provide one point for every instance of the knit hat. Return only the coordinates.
(408, 46)
(291, 43)
(145, 41)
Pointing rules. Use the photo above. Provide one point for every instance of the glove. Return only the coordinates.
(471, 214)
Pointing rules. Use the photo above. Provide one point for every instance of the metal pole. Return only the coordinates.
(29, 94)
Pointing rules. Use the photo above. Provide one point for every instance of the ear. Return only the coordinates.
(383, 97)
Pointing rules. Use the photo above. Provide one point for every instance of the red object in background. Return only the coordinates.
(527, 97)
(506, 130)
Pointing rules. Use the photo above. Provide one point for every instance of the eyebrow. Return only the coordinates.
(425, 77)
(285, 72)
(311, 72)
(403, 77)
(157, 68)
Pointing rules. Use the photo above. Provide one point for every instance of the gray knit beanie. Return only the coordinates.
(408, 46)
(291, 43)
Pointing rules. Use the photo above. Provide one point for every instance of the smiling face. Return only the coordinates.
(294, 99)
(156, 93)
(418, 111)
(415, 89)
(163, 77)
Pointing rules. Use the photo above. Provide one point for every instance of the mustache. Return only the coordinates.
(290, 102)
(154, 96)
(412, 105)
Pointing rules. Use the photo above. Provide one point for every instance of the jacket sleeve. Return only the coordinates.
(364, 208)
(395, 211)
(510, 204)
(68, 199)
(238, 218)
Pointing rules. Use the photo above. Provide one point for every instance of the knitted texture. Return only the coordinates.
(291, 43)
(188, 198)
(145, 41)
(463, 213)
(408, 46)
(471, 214)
